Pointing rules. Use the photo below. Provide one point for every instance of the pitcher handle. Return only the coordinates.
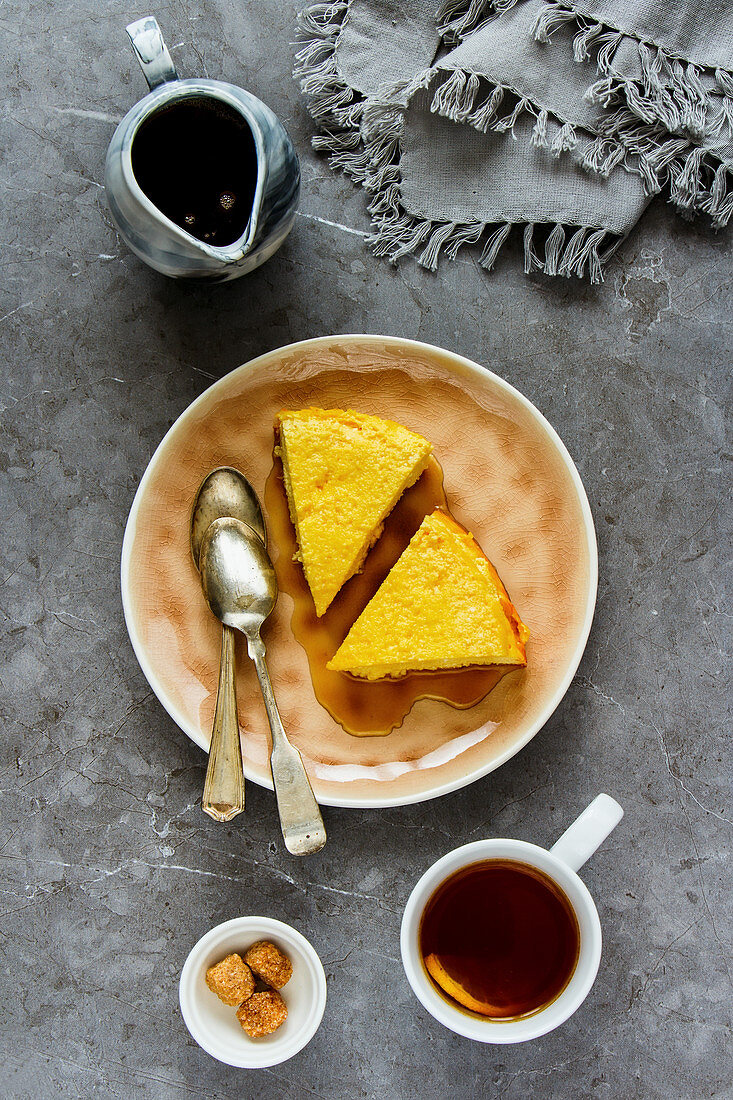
(151, 51)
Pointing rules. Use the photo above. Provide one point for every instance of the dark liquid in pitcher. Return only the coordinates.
(196, 161)
(499, 938)
(366, 707)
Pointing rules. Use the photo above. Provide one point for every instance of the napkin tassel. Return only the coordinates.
(456, 98)
(697, 179)
(532, 262)
(549, 19)
(565, 140)
(486, 112)
(464, 234)
(400, 234)
(719, 202)
(458, 18)
(553, 248)
(438, 239)
(493, 246)
(591, 35)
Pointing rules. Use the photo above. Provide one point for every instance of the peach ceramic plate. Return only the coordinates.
(508, 479)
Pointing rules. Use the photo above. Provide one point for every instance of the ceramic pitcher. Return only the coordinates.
(149, 233)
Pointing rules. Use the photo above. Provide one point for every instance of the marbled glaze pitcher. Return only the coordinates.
(156, 239)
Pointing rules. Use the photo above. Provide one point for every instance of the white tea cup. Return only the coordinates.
(560, 864)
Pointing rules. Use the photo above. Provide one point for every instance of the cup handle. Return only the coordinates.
(578, 843)
(151, 51)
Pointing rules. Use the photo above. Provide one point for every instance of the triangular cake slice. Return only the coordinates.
(344, 472)
(442, 606)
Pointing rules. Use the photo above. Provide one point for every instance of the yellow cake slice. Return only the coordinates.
(344, 472)
(442, 606)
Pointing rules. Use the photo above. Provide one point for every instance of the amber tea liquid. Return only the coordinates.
(503, 933)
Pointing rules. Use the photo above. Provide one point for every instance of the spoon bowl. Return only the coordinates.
(237, 575)
(224, 492)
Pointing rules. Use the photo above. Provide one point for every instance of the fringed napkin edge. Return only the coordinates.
(363, 137)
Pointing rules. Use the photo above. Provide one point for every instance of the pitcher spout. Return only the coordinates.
(278, 183)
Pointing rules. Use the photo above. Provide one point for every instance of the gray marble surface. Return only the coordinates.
(109, 871)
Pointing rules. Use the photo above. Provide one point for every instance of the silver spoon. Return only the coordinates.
(224, 492)
(240, 586)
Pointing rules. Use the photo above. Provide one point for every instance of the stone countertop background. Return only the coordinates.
(108, 869)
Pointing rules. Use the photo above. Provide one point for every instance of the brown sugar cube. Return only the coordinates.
(263, 1013)
(231, 980)
(269, 963)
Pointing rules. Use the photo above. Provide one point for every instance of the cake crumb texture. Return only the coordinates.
(344, 472)
(442, 606)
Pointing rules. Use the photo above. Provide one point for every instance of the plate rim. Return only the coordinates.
(460, 365)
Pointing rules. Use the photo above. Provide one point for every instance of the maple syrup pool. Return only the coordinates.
(361, 707)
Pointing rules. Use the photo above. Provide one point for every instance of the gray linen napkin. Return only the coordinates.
(464, 119)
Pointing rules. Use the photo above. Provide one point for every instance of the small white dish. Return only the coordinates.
(215, 1026)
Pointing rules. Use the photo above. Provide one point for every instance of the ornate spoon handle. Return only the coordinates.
(224, 787)
(300, 817)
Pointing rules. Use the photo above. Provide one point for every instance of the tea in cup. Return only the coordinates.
(501, 940)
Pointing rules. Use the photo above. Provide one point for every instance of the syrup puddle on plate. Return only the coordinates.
(366, 708)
